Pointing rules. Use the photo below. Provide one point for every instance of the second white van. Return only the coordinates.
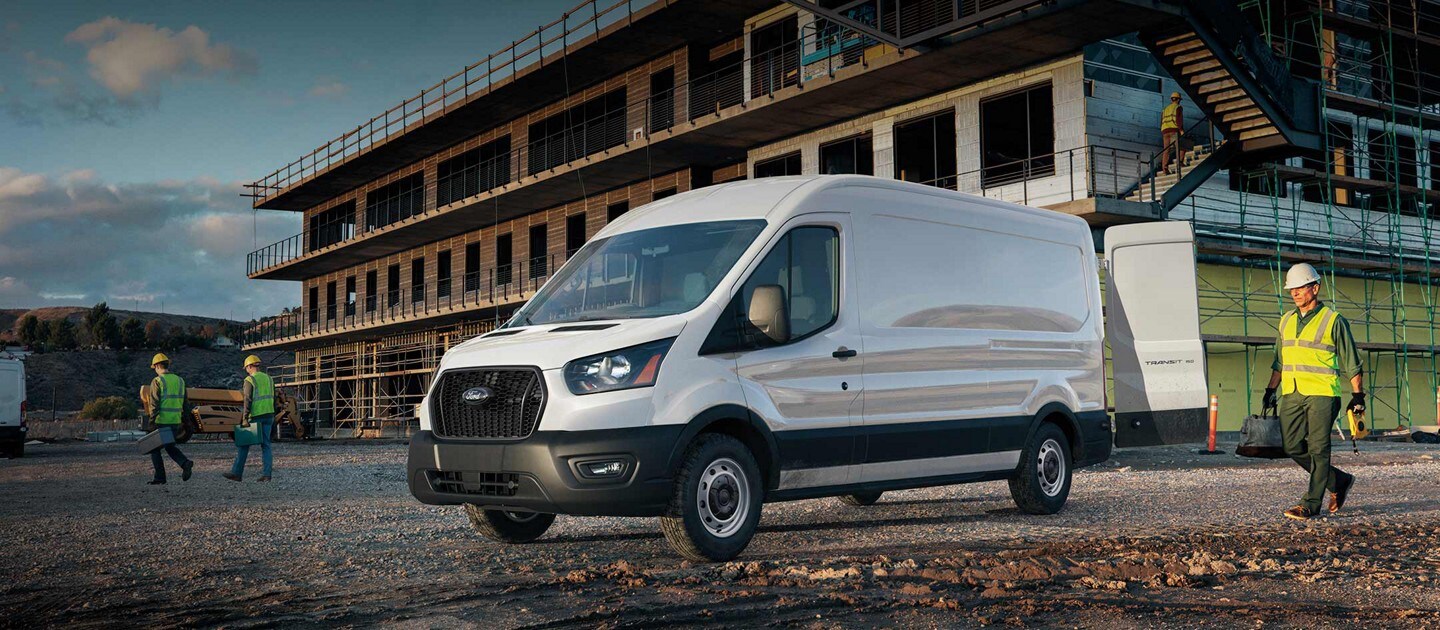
(802, 337)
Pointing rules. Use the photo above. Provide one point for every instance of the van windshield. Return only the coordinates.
(645, 273)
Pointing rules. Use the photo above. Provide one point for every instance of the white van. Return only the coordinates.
(12, 408)
(800, 337)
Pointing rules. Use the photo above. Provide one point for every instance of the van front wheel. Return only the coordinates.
(1042, 482)
(508, 527)
(715, 504)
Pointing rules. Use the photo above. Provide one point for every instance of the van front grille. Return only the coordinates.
(510, 412)
(484, 484)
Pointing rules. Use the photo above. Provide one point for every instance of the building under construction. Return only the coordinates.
(1311, 133)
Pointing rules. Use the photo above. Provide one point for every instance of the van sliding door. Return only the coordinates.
(1152, 321)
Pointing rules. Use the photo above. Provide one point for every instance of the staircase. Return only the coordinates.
(1251, 99)
(1154, 186)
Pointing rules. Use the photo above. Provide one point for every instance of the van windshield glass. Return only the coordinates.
(646, 273)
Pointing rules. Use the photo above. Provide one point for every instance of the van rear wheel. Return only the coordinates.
(1042, 482)
(509, 527)
(862, 499)
(715, 504)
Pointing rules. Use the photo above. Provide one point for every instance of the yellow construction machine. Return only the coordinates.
(219, 410)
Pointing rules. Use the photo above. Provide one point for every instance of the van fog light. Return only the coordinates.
(603, 469)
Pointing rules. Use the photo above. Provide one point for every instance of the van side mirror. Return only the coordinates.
(768, 313)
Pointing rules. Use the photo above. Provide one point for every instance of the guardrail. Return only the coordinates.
(494, 286)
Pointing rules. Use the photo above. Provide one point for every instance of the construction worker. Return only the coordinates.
(1315, 360)
(259, 401)
(1172, 124)
(167, 392)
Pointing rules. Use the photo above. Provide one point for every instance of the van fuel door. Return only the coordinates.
(1153, 325)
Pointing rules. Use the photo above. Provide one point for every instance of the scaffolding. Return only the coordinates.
(370, 388)
(1360, 209)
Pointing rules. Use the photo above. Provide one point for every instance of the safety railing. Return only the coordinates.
(1059, 177)
(1202, 137)
(494, 286)
(584, 20)
(817, 53)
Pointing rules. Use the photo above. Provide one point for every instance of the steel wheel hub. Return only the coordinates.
(723, 497)
(1050, 467)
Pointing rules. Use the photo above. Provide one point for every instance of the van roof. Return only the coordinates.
(762, 199)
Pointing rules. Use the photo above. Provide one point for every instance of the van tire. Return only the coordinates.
(508, 527)
(15, 451)
(725, 465)
(861, 499)
(1041, 488)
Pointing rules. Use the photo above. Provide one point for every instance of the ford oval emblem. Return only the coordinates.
(477, 395)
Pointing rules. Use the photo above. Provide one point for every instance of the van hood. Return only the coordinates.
(551, 346)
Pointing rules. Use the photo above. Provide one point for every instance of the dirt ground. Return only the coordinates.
(1153, 538)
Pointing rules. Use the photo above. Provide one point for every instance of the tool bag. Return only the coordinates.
(155, 440)
(248, 434)
(1260, 436)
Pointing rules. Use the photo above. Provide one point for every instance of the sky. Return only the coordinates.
(127, 130)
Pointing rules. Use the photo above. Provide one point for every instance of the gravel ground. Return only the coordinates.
(1154, 538)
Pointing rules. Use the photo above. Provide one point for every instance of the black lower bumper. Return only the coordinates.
(541, 473)
(12, 434)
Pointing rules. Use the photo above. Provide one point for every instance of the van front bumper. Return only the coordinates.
(542, 473)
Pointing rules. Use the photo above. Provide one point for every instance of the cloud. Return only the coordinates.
(132, 60)
(125, 68)
(328, 88)
(77, 239)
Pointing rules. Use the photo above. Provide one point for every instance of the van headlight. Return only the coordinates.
(636, 366)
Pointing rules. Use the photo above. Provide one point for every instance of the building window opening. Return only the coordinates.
(417, 280)
(775, 60)
(539, 247)
(442, 275)
(1017, 136)
(851, 156)
(788, 164)
(574, 234)
(472, 267)
(392, 288)
(475, 171)
(503, 260)
(590, 127)
(925, 150)
(350, 296)
(662, 100)
(332, 226)
(395, 202)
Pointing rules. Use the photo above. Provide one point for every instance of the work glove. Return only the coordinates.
(1357, 403)
(1270, 401)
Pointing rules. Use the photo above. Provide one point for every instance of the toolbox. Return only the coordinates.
(157, 439)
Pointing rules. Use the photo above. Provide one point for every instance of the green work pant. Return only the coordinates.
(1305, 422)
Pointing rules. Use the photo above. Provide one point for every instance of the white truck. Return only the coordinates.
(801, 337)
(12, 408)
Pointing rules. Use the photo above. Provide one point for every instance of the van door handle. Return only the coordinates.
(843, 353)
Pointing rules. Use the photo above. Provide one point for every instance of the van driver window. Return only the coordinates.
(806, 265)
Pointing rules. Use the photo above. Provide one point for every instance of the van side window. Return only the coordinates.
(806, 266)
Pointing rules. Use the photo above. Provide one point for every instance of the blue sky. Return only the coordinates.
(127, 128)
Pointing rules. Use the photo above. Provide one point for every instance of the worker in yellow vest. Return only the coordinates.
(167, 392)
(259, 402)
(1315, 362)
(1172, 124)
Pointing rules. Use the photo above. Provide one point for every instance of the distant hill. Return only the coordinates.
(10, 317)
(71, 378)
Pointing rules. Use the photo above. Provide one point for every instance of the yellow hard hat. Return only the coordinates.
(159, 358)
(251, 360)
(1174, 95)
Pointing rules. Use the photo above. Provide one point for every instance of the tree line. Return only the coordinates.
(101, 329)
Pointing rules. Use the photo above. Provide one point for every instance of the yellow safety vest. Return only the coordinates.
(170, 409)
(1308, 363)
(1170, 118)
(262, 394)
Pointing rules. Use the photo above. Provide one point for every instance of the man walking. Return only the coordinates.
(167, 391)
(259, 393)
(1315, 356)
(1172, 124)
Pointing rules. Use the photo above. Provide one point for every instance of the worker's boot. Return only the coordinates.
(1342, 491)
(155, 482)
(186, 470)
(265, 478)
(1299, 513)
(230, 476)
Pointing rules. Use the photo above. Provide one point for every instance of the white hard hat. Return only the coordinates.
(1301, 275)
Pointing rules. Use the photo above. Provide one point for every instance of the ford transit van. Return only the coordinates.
(802, 337)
